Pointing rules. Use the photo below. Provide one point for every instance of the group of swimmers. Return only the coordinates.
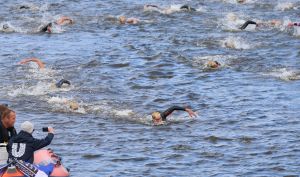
(157, 117)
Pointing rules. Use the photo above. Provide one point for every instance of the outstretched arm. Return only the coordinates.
(37, 61)
(244, 26)
(169, 111)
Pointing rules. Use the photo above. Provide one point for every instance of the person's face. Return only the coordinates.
(156, 119)
(122, 20)
(10, 120)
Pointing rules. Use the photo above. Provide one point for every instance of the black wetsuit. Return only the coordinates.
(61, 82)
(167, 112)
(296, 24)
(244, 26)
(45, 28)
(6, 133)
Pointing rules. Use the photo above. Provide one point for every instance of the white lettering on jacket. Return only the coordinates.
(18, 149)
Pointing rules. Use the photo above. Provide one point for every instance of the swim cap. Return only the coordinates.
(155, 114)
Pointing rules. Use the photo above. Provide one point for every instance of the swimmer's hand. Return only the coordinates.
(191, 113)
(244, 26)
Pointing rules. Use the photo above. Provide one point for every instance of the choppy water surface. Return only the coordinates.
(249, 109)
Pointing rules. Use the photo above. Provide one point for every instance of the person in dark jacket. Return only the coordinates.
(8, 119)
(158, 118)
(23, 145)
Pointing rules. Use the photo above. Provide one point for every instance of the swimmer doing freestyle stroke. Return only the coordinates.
(71, 103)
(159, 118)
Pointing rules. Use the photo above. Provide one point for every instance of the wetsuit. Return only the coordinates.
(187, 7)
(244, 26)
(45, 29)
(167, 112)
(296, 24)
(6, 133)
(61, 82)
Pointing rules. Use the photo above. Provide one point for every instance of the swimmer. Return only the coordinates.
(36, 60)
(168, 10)
(241, 1)
(213, 64)
(24, 7)
(73, 105)
(159, 118)
(61, 21)
(271, 23)
(187, 8)
(61, 82)
(124, 20)
(291, 24)
(5, 27)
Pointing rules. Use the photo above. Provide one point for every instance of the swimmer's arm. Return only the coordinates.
(244, 26)
(37, 61)
(169, 111)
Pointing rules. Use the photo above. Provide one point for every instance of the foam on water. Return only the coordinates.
(171, 9)
(61, 104)
(296, 31)
(285, 74)
(232, 22)
(283, 6)
(201, 61)
(40, 89)
(236, 43)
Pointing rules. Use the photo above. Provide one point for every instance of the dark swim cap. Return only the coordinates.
(187, 7)
(61, 82)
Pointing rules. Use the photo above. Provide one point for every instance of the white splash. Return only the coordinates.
(169, 10)
(283, 6)
(235, 43)
(232, 22)
(39, 89)
(63, 104)
(285, 74)
(123, 113)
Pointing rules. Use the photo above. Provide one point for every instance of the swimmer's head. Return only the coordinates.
(187, 7)
(213, 64)
(122, 19)
(73, 105)
(5, 26)
(156, 117)
(241, 1)
(150, 5)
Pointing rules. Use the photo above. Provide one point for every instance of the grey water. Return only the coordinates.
(248, 120)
